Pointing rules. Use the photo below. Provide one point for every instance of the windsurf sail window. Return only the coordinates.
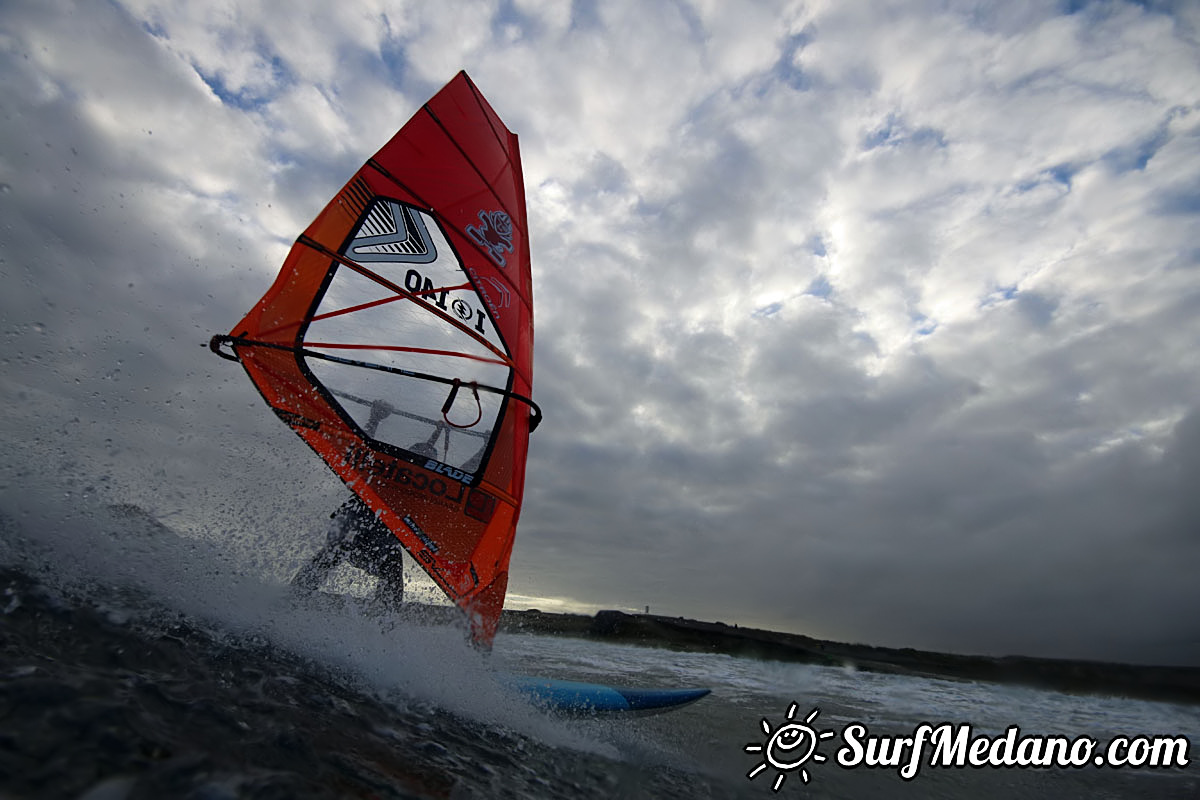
(397, 342)
(410, 307)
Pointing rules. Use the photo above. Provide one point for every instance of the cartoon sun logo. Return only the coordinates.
(792, 744)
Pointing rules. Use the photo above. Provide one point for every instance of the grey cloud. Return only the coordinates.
(936, 393)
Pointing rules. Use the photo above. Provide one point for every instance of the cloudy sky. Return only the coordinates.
(874, 321)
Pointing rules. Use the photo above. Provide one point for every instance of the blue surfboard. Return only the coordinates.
(576, 697)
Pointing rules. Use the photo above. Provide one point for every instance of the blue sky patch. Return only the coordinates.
(769, 310)
(894, 132)
(785, 69)
(820, 287)
(246, 99)
(1137, 154)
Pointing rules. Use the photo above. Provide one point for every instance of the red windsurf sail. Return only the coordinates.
(397, 341)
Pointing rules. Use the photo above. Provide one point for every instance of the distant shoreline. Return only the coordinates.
(1173, 684)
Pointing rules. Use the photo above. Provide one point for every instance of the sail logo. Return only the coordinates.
(296, 420)
(420, 534)
(449, 471)
(494, 234)
(504, 298)
(461, 309)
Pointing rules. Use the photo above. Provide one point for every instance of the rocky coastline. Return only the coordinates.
(1167, 683)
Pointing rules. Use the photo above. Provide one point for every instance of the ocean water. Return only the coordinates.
(138, 664)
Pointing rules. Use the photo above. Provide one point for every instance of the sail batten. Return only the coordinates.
(401, 349)
(427, 415)
(399, 291)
